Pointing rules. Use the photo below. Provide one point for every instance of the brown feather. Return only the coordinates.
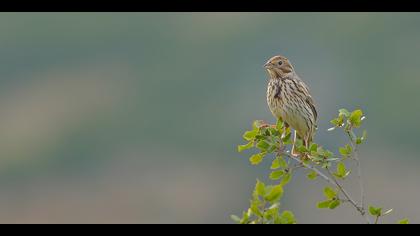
(289, 99)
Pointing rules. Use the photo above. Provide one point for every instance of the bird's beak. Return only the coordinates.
(267, 65)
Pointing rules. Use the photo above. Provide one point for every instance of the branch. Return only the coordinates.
(311, 168)
(332, 181)
(377, 220)
(359, 169)
(358, 208)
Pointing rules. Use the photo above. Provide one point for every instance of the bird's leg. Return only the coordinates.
(307, 141)
(294, 152)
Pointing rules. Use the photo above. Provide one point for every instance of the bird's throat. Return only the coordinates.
(277, 75)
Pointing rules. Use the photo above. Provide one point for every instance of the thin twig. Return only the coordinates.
(359, 170)
(358, 208)
(343, 190)
(359, 176)
(332, 181)
(297, 166)
(311, 168)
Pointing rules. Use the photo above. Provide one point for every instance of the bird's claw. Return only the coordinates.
(265, 125)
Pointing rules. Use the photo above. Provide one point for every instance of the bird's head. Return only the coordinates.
(278, 67)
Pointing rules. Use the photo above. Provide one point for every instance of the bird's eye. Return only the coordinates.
(280, 63)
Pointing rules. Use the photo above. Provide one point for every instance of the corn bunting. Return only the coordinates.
(289, 100)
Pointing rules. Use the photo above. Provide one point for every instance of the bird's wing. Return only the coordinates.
(311, 103)
(309, 99)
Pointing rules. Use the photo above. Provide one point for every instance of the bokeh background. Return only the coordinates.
(135, 117)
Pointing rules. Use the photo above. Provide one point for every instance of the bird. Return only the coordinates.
(290, 101)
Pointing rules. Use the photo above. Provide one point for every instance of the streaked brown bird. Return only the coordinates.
(289, 100)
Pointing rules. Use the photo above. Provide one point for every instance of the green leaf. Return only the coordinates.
(275, 164)
(321, 151)
(329, 193)
(344, 112)
(279, 125)
(275, 175)
(257, 124)
(245, 217)
(375, 211)
(313, 147)
(274, 132)
(278, 162)
(255, 209)
(341, 171)
(334, 204)
(245, 146)
(282, 162)
(328, 154)
(355, 118)
(324, 204)
(302, 149)
(235, 218)
(260, 188)
(257, 158)
(275, 194)
(404, 221)
(349, 148)
(341, 176)
(271, 213)
(345, 151)
(372, 210)
(286, 179)
(276, 218)
(337, 122)
(286, 140)
(326, 165)
(250, 135)
(248, 213)
(263, 145)
(312, 175)
(359, 140)
(259, 137)
(298, 143)
(272, 149)
(287, 217)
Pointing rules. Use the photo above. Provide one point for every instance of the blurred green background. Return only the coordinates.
(135, 117)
